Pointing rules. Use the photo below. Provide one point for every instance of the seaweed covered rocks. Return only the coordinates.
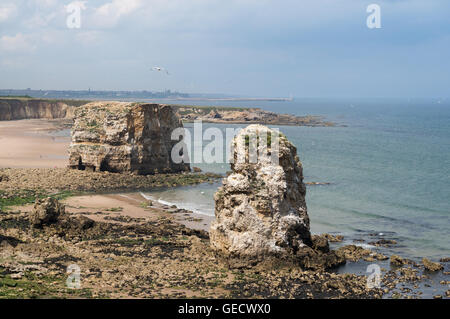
(46, 212)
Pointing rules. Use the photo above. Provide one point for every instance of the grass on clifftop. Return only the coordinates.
(75, 103)
(208, 108)
(15, 97)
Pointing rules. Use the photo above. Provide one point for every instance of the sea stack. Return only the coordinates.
(261, 210)
(124, 137)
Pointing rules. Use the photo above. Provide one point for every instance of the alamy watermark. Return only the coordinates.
(374, 19)
(74, 18)
(74, 278)
(74, 9)
(256, 145)
(374, 279)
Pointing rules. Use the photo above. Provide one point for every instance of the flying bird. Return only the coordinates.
(159, 69)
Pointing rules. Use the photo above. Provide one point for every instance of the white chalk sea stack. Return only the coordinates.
(261, 209)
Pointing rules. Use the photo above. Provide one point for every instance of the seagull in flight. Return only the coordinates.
(159, 69)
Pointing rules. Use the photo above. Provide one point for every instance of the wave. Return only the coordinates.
(383, 217)
(186, 206)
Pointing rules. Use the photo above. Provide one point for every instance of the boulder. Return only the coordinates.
(214, 115)
(431, 266)
(320, 243)
(124, 137)
(261, 209)
(397, 261)
(46, 212)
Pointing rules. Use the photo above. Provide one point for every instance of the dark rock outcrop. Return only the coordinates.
(431, 266)
(46, 212)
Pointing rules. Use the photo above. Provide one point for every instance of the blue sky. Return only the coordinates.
(312, 48)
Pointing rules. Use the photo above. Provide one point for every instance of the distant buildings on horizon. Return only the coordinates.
(91, 94)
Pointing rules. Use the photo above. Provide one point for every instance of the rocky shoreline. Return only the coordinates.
(154, 256)
(235, 115)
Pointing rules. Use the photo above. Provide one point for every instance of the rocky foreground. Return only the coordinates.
(152, 257)
(156, 257)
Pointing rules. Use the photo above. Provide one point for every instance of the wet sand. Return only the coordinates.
(31, 144)
(135, 206)
(132, 205)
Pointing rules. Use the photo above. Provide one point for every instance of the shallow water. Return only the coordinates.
(389, 170)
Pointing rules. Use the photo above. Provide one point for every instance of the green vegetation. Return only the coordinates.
(205, 109)
(15, 97)
(269, 139)
(25, 197)
(130, 242)
(31, 286)
(75, 103)
(92, 123)
(144, 205)
(114, 209)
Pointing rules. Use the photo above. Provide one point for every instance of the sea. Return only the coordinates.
(387, 162)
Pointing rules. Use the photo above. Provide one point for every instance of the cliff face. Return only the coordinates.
(120, 137)
(20, 109)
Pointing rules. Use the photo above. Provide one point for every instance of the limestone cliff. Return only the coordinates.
(119, 137)
(19, 109)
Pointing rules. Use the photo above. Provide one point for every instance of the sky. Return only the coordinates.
(261, 48)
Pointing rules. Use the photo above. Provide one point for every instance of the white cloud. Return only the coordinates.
(88, 37)
(13, 63)
(7, 10)
(110, 13)
(17, 43)
(45, 3)
(40, 20)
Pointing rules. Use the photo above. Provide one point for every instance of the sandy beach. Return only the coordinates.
(31, 144)
(116, 207)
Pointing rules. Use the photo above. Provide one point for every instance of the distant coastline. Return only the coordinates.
(24, 107)
(130, 95)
